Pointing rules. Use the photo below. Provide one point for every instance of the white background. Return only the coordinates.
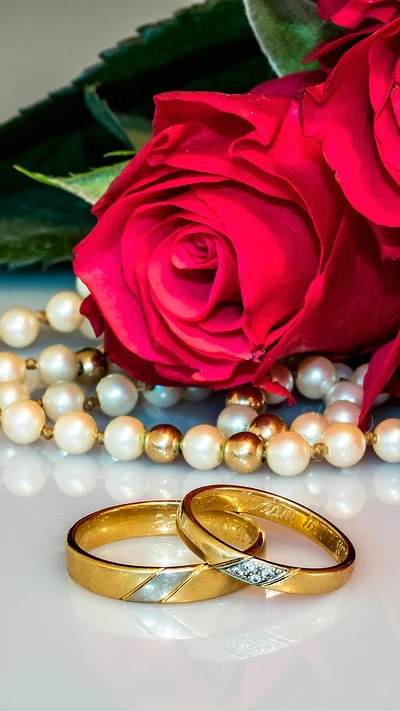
(46, 43)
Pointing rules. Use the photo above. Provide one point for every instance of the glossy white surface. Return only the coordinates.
(63, 648)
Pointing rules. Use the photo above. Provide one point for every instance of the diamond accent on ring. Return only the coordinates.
(255, 572)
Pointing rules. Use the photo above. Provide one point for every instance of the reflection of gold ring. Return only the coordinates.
(152, 584)
(229, 559)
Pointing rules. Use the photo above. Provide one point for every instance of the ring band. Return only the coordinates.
(175, 584)
(255, 571)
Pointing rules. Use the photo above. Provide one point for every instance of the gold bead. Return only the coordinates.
(162, 443)
(93, 366)
(31, 363)
(244, 452)
(246, 395)
(266, 426)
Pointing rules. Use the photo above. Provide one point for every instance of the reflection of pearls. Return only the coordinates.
(203, 447)
(76, 476)
(126, 483)
(346, 496)
(12, 367)
(315, 377)
(62, 397)
(117, 394)
(346, 444)
(311, 426)
(23, 474)
(387, 484)
(235, 418)
(18, 327)
(75, 432)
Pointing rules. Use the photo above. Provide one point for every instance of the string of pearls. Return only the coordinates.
(244, 436)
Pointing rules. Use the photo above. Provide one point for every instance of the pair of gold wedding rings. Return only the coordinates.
(216, 523)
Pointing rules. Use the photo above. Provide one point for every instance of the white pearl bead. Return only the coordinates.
(86, 330)
(117, 394)
(57, 363)
(343, 411)
(81, 288)
(19, 327)
(311, 426)
(124, 438)
(387, 445)
(23, 421)
(203, 447)
(75, 432)
(279, 374)
(288, 453)
(343, 371)
(358, 378)
(315, 377)
(359, 375)
(235, 418)
(61, 397)
(163, 395)
(346, 444)
(62, 311)
(345, 391)
(32, 380)
(12, 391)
(196, 394)
(12, 367)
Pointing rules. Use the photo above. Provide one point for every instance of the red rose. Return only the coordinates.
(356, 116)
(227, 243)
(350, 13)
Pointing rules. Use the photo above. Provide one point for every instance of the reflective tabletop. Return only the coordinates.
(63, 647)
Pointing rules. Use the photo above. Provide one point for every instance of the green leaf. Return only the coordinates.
(286, 31)
(137, 128)
(102, 113)
(114, 154)
(33, 232)
(87, 186)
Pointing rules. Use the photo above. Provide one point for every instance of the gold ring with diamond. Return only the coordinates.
(194, 530)
(153, 584)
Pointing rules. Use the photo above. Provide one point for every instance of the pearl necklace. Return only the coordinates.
(244, 437)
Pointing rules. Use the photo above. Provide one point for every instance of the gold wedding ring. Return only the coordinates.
(154, 584)
(195, 529)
